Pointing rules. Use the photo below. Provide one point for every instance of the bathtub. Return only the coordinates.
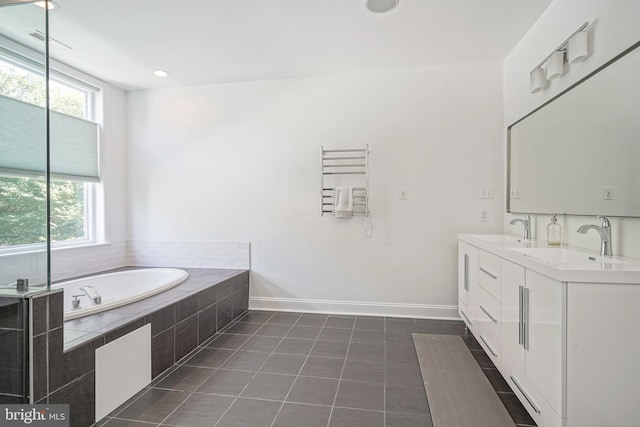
(118, 289)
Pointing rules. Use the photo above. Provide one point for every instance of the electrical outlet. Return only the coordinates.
(403, 193)
(607, 193)
(515, 193)
(486, 193)
(483, 216)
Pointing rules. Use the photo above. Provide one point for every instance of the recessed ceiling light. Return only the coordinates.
(48, 4)
(381, 6)
(161, 73)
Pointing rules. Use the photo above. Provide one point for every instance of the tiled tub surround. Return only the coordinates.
(12, 341)
(303, 370)
(92, 259)
(181, 319)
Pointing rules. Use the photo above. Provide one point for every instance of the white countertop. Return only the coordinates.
(592, 270)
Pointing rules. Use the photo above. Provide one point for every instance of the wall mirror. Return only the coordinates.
(579, 153)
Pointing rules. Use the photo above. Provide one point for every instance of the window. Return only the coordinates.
(74, 164)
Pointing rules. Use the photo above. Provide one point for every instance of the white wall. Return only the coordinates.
(241, 162)
(614, 27)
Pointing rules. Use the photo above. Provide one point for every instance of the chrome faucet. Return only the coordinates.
(75, 302)
(526, 222)
(605, 235)
(93, 295)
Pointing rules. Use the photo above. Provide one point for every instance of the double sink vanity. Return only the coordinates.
(560, 324)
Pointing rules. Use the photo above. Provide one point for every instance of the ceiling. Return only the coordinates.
(215, 41)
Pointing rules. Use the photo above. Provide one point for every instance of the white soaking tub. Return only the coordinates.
(118, 289)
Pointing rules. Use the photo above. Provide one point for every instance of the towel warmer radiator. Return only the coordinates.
(337, 166)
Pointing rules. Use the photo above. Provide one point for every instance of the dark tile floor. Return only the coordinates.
(299, 370)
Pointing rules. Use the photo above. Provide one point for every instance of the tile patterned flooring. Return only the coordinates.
(301, 369)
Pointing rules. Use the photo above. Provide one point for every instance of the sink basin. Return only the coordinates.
(557, 256)
(496, 238)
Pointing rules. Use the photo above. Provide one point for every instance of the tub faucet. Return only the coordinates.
(75, 302)
(605, 235)
(93, 295)
(526, 222)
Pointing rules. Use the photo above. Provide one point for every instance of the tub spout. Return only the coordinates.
(93, 295)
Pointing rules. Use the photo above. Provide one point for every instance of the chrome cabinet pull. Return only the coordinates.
(465, 316)
(520, 320)
(533, 405)
(466, 272)
(488, 273)
(525, 317)
(493, 319)
(489, 346)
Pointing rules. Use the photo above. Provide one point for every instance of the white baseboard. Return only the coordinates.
(422, 311)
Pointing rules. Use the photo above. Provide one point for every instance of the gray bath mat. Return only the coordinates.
(459, 393)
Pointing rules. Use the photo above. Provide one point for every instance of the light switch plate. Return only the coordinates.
(486, 193)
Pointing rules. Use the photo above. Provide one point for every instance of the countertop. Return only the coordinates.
(614, 270)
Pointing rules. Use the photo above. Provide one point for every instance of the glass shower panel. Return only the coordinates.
(24, 186)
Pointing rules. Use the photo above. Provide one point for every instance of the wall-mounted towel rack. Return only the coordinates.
(336, 166)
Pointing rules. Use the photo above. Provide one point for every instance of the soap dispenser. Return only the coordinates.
(554, 232)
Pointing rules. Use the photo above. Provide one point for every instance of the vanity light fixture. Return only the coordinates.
(555, 65)
(161, 73)
(573, 49)
(578, 47)
(381, 6)
(48, 4)
(537, 80)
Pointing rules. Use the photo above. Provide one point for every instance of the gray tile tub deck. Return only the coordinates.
(181, 301)
(182, 319)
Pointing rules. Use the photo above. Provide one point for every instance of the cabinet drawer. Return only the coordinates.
(490, 346)
(489, 325)
(489, 273)
(490, 305)
(534, 403)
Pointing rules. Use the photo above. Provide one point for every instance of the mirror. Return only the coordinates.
(579, 153)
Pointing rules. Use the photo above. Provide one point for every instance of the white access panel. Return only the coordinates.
(123, 368)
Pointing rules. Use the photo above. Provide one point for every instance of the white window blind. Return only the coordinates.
(73, 143)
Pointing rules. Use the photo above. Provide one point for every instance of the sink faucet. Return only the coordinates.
(605, 235)
(526, 222)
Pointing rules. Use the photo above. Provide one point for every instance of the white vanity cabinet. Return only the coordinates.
(603, 355)
(532, 307)
(468, 284)
(489, 312)
(562, 334)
